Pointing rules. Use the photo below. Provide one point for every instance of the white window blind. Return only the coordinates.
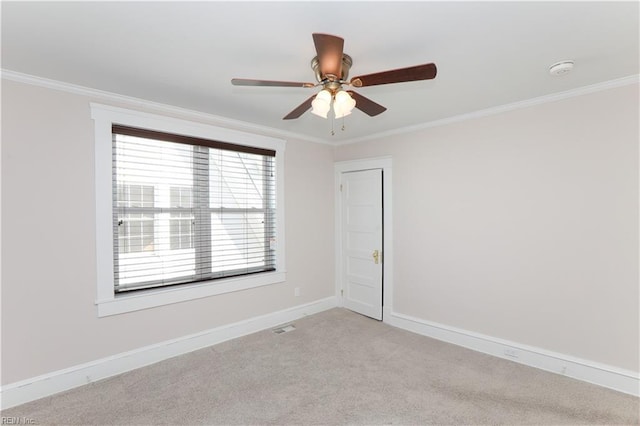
(187, 209)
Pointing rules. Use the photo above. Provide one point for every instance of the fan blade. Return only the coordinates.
(366, 105)
(300, 109)
(415, 73)
(247, 82)
(329, 49)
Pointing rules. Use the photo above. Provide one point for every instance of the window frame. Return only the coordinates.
(107, 301)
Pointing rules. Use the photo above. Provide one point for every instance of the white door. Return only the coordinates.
(362, 242)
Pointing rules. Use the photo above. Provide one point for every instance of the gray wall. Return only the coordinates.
(523, 225)
(49, 319)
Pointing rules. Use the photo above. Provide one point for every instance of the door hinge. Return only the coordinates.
(340, 187)
(342, 293)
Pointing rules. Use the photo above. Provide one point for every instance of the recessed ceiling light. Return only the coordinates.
(561, 68)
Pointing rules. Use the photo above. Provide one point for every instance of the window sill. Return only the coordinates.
(166, 296)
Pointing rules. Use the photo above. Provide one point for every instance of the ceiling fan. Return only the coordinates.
(331, 67)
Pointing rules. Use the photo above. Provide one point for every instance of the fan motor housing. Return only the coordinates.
(346, 66)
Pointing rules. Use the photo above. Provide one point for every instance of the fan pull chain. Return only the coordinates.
(332, 120)
(342, 128)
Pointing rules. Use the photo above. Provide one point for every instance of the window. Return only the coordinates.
(135, 230)
(182, 222)
(189, 215)
(218, 195)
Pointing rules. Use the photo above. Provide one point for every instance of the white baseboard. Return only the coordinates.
(61, 380)
(588, 371)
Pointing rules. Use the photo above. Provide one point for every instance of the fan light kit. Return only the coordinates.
(331, 67)
(343, 103)
(561, 68)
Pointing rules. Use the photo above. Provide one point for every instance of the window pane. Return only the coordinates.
(187, 213)
(237, 180)
(185, 198)
(175, 196)
(175, 234)
(135, 231)
(181, 231)
(135, 198)
(239, 241)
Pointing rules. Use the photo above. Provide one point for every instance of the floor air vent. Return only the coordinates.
(284, 329)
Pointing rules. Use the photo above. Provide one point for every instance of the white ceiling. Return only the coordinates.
(185, 53)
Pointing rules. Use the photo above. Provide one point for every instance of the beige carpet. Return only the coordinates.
(336, 367)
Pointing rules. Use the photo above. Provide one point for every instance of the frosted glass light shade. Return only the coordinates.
(343, 104)
(321, 104)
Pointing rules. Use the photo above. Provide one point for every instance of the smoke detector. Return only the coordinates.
(561, 68)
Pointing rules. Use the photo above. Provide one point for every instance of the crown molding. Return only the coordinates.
(270, 131)
(611, 84)
(102, 95)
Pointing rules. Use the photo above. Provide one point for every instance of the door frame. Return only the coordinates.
(385, 164)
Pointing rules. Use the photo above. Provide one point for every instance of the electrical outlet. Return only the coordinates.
(296, 291)
(511, 353)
